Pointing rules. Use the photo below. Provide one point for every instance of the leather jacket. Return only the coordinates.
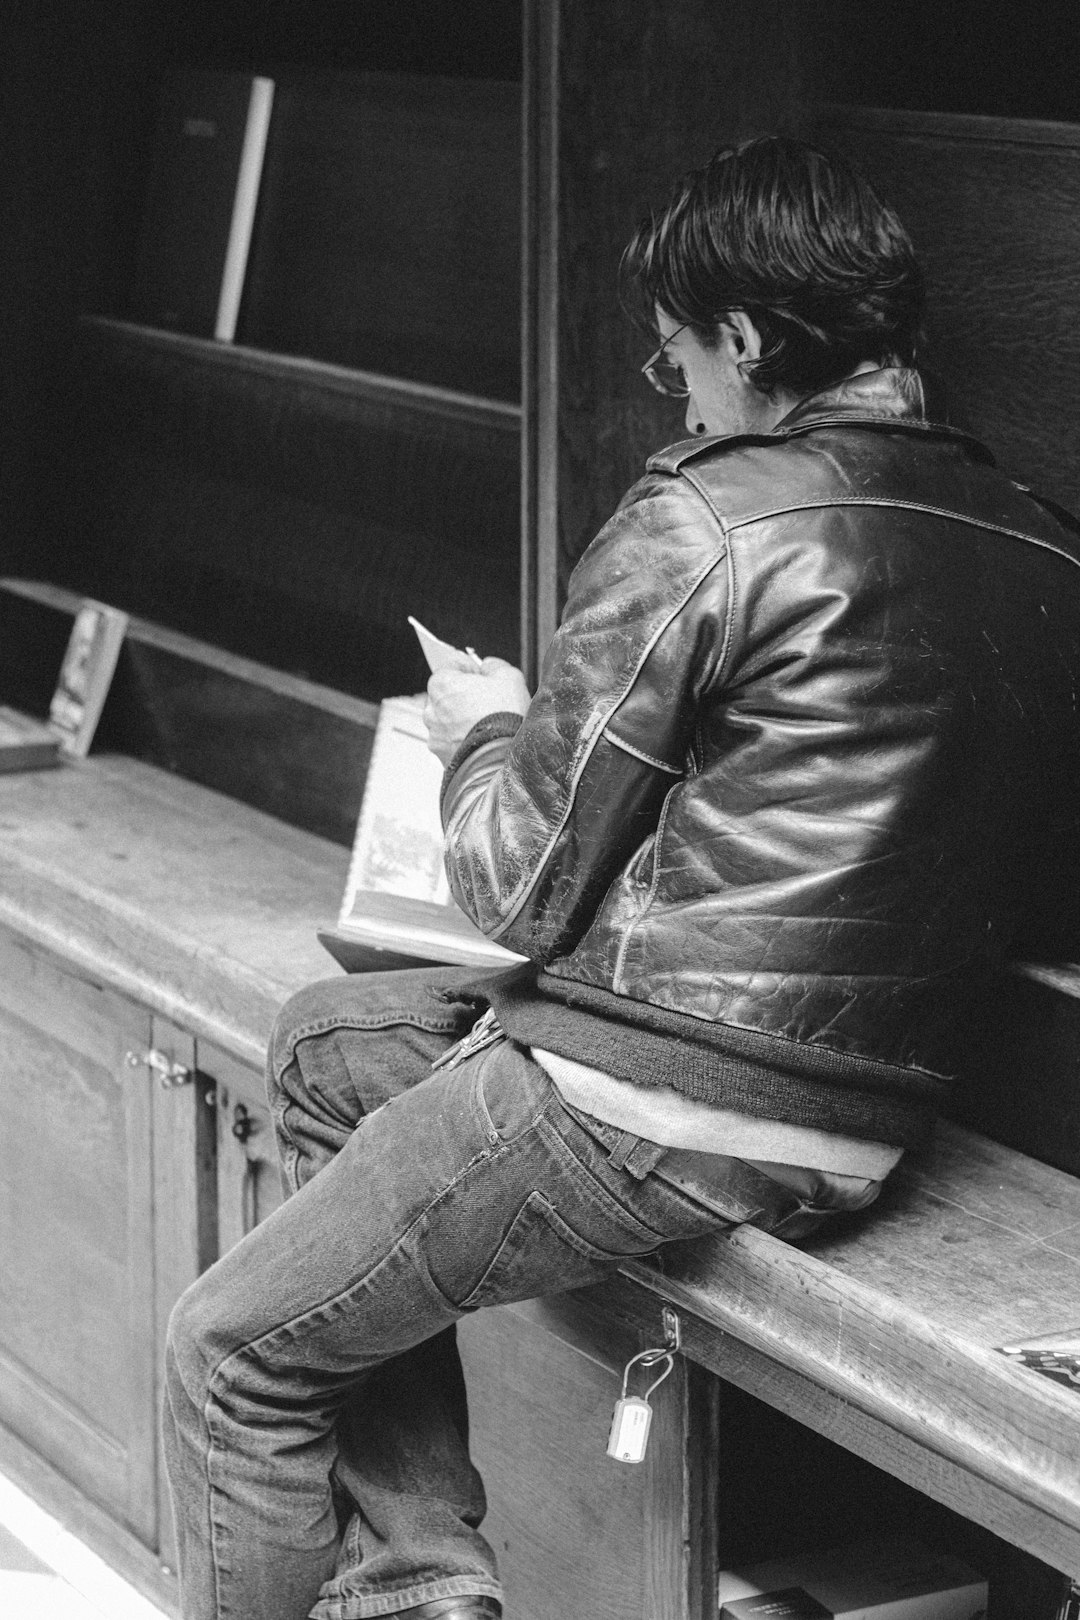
(805, 744)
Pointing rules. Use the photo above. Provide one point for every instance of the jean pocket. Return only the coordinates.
(539, 1254)
(511, 1090)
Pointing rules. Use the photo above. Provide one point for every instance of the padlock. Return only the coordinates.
(630, 1430)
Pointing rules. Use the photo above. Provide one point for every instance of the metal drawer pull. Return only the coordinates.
(243, 1126)
(172, 1073)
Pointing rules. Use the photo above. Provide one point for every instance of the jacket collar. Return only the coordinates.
(892, 400)
(892, 397)
(893, 394)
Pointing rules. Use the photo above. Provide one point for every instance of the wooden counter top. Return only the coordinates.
(192, 903)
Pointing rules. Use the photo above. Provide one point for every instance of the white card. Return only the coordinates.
(441, 654)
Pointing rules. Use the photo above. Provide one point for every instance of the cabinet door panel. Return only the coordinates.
(573, 1530)
(76, 1233)
(185, 1207)
(248, 1178)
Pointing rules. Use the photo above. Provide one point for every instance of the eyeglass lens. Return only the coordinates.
(668, 377)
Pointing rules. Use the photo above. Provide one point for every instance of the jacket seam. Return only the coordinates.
(528, 882)
(729, 626)
(884, 424)
(907, 506)
(639, 753)
(619, 975)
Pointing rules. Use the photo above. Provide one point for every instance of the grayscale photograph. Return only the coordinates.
(540, 810)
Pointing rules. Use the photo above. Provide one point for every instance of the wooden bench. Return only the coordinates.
(124, 888)
(881, 1337)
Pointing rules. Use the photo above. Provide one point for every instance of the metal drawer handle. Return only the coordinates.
(172, 1073)
(243, 1126)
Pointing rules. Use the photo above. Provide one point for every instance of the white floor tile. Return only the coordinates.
(41, 1597)
(47, 1574)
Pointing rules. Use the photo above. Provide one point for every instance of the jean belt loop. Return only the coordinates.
(644, 1157)
(636, 1154)
(623, 1148)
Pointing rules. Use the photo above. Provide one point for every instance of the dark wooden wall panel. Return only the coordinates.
(389, 226)
(293, 517)
(1006, 60)
(644, 92)
(294, 750)
(77, 111)
(73, 99)
(993, 207)
(292, 759)
(479, 40)
(1020, 1081)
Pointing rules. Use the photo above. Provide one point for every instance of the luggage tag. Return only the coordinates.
(632, 1418)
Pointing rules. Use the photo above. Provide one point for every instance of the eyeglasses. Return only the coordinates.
(666, 376)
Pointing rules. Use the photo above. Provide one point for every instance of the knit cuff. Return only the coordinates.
(502, 724)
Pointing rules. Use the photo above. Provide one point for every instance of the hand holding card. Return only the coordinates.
(454, 705)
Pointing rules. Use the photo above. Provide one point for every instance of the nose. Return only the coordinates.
(693, 417)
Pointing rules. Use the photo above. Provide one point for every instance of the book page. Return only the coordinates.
(399, 842)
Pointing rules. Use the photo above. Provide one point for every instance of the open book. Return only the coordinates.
(397, 900)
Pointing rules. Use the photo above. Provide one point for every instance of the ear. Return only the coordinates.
(742, 334)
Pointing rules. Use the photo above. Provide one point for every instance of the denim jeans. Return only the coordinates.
(315, 1424)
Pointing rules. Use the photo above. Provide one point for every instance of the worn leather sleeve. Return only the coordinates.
(538, 825)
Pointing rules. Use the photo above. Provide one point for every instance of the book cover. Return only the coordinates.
(26, 744)
(1055, 1355)
(201, 202)
(872, 1579)
(396, 894)
(85, 675)
(790, 1604)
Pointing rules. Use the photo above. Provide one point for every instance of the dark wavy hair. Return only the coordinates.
(801, 242)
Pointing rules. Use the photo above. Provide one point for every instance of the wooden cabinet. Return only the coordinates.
(78, 1330)
(104, 1171)
(134, 1155)
(138, 980)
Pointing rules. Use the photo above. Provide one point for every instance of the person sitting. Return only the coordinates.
(802, 749)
